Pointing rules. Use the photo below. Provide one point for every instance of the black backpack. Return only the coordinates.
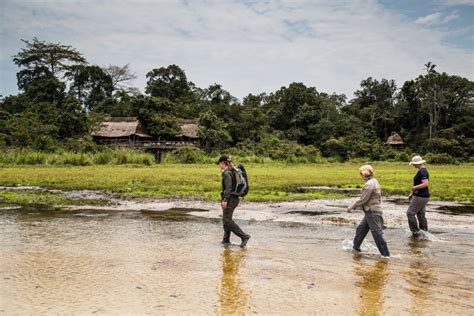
(241, 181)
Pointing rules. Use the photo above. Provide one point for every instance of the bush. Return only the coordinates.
(468, 144)
(83, 144)
(448, 146)
(404, 156)
(274, 148)
(335, 148)
(440, 158)
(186, 154)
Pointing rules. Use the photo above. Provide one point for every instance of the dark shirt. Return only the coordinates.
(227, 185)
(421, 175)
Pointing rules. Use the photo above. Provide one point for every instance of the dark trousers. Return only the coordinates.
(417, 210)
(372, 221)
(229, 224)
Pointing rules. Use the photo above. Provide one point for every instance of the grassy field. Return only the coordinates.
(272, 182)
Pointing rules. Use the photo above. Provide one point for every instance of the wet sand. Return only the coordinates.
(442, 215)
(164, 257)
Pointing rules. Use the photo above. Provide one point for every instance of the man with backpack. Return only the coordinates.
(234, 186)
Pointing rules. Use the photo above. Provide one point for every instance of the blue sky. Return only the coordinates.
(251, 46)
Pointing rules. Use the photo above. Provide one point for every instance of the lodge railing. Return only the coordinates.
(144, 144)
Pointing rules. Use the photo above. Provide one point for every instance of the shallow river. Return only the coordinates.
(171, 262)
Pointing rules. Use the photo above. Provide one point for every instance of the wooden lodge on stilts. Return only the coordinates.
(129, 132)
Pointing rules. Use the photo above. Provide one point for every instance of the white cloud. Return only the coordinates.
(248, 48)
(450, 17)
(436, 18)
(429, 19)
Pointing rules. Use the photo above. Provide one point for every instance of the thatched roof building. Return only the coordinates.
(394, 140)
(123, 128)
(130, 129)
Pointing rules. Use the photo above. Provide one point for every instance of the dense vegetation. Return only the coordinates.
(63, 98)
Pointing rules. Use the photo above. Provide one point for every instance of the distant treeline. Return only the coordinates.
(63, 98)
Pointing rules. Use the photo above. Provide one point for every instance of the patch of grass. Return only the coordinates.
(44, 197)
(268, 182)
(108, 156)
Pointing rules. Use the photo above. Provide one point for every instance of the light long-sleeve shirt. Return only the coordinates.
(370, 198)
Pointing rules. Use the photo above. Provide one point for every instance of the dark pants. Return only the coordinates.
(417, 210)
(229, 224)
(372, 221)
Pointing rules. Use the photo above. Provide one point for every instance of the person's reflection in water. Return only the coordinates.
(373, 278)
(232, 296)
(420, 277)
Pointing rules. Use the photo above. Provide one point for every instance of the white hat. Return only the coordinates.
(417, 160)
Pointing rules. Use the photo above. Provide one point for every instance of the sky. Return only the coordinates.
(251, 46)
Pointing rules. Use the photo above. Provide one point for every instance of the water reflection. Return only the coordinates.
(420, 276)
(373, 279)
(84, 262)
(233, 298)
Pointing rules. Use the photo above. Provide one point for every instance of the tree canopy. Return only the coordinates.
(62, 97)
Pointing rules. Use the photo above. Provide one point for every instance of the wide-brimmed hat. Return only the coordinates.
(223, 158)
(417, 160)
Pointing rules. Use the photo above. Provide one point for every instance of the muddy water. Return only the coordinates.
(169, 261)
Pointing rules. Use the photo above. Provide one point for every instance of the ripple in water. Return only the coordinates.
(367, 246)
(423, 235)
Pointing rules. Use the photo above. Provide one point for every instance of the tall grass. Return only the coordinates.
(106, 157)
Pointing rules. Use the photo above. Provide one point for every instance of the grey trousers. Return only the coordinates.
(229, 224)
(372, 221)
(417, 210)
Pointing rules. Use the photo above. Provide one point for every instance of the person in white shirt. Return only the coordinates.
(369, 202)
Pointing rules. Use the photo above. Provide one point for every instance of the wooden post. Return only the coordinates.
(158, 156)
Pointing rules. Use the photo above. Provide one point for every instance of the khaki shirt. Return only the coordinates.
(370, 197)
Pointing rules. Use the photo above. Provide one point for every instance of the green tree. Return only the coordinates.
(56, 57)
(4, 119)
(212, 132)
(410, 116)
(158, 115)
(254, 100)
(287, 110)
(27, 130)
(71, 119)
(443, 96)
(118, 106)
(163, 125)
(90, 84)
(374, 103)
(40, 85)
(168, 82)
(248, 124)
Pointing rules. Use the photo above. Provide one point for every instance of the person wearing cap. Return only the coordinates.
(229, 202)
(369, 202)
(418, 197)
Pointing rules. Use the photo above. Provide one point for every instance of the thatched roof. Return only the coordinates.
(188, 129)
(127, 126)
(394, 139)
(121, 127)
